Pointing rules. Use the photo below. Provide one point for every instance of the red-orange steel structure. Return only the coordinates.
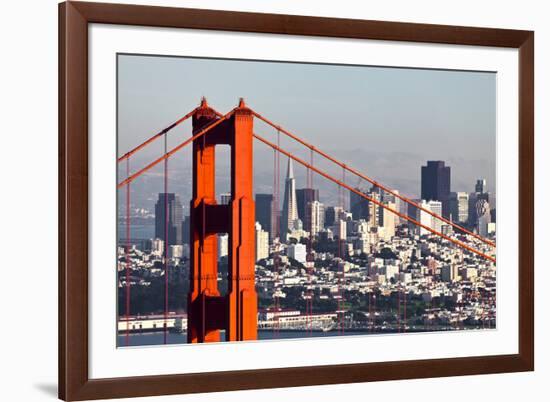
(208, 311)
(236, 312)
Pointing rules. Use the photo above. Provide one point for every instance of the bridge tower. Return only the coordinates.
(208, 310)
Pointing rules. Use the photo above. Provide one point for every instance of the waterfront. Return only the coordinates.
(173, 338)
(144, 231)
(157, 338)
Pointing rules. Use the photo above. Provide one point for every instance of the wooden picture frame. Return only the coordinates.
(74, 381)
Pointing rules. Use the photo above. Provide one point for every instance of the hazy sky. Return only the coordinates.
(386, 122)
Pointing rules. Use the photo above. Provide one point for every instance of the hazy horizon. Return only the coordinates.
(386, 122)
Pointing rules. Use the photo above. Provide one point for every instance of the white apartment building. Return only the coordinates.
(262, 242)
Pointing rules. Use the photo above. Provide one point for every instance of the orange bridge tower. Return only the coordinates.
(208, 310)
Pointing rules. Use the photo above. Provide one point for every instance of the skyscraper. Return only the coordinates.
(290, 208)
(303, 197)
(420, 216)
(342, 232)
(374, 209)
(387, 197)
(459, 206)
(315, 217)
(332, 214)
(481, 186)
(186, 230)
(341, 227)
(358, 206)
(173, 225)
(436, 184)
(265, 213)
(387, 220)
(483, 212)
(436, 207)
(480, 193)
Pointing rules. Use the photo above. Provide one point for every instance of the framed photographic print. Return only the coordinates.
(348, 200)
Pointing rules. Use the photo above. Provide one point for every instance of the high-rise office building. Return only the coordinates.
(262, 242)
(420, 216)
(481, 186)
(387, 197)
(483, 212)
(459, 206)
(186, 230)
(332, 214)
(387, 220)
(341, 227)
(358, 206)
(472, 214)
(170, 222)
(341, 230)
(303, 197)
(374, 209)
(290, 207)
(436, 207)
(314, 217)
(480, 193)
(436, 184)
(265, 213)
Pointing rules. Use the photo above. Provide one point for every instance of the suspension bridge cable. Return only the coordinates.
(380, 204)
(157, 135)
(134, 176)
(370, 180)
(166, 240)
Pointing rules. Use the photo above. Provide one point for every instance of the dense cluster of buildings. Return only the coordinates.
(360, 266)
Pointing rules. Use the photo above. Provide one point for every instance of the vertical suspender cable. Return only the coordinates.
(166, 240)
(338, 219)
(344, 244)
(277, 266)
(128, 245)
(311, 262)
(308, 221)
(274, 232)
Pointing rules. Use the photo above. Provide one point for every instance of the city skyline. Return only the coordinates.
(299, 198)
(324, 249)
(461, 204)
(459, 106)
(370, 234)
(323, 191)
